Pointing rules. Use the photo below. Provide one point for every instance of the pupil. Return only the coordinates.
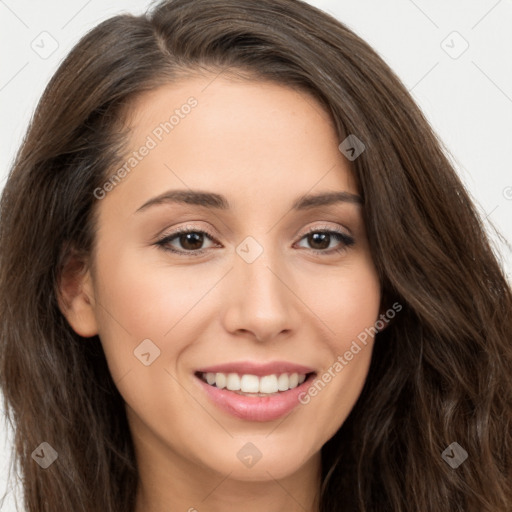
(187, 240)
(322, 238)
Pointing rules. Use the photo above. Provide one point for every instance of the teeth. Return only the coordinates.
(233, 382)
(220, 380)
(283, 382)
(268, 384)
(250, 384)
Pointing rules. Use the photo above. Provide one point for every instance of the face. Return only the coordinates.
(227, 319)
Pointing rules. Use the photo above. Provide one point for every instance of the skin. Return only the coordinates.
(262, 145)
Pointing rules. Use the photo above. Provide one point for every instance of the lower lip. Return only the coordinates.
(256, 408)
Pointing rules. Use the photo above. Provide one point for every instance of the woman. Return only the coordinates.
(238, 270)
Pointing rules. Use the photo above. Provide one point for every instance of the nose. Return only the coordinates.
(260, 299)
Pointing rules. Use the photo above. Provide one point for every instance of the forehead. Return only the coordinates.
(251, 140)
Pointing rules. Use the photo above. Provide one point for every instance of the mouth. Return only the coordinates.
(255, 392)
(252, 385)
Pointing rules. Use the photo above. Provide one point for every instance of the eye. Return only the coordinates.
(190, 240)
(320, 240)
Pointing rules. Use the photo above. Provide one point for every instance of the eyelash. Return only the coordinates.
(346, 241)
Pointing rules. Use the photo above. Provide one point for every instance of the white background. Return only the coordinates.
(467, 99)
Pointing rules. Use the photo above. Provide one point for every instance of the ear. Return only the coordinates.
(76, 295)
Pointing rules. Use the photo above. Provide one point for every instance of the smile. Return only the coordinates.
(255, 392)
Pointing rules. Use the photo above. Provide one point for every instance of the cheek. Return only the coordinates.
(144, 300)
(346, 303)
(140, 299)
(349, 307)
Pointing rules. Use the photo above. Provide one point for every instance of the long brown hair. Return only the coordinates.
(440, 373)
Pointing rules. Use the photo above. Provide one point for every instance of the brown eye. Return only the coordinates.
(320, 241)
(186, 241)
(191, 241)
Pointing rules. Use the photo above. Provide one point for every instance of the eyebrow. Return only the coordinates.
(219, 202)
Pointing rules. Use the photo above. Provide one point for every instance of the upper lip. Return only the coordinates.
(258, 369)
